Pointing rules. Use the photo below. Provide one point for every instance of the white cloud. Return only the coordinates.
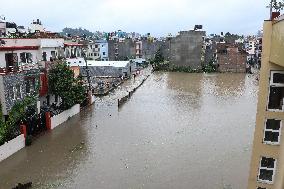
(155, 16)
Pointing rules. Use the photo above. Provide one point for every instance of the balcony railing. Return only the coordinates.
(17, 69)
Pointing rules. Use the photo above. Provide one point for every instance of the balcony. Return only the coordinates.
(18, 69)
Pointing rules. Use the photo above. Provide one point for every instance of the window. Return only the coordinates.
(17, 91)
(53, 54)
(104, 53)
(28, 87)
(96, 46)
(272, 131)
(267, 170)
(277, 78)
(26, 57)
(276, 92)
(11, 59)
(44, 55)
(11, 92)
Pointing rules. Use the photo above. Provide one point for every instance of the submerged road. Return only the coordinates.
(178, 130)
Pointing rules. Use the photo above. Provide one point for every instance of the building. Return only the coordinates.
(138, 49)
(103, 49)
(186, 49)
(123, 49)
(267, 161)
(230, 58)
(258, 50)
(109, 68)
(97, 50)
(19, 71)
(36, 26)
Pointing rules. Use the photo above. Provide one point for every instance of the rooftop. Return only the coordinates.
(118, 64)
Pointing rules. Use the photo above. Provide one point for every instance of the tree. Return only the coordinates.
(159, 58)
(10, 129)
(277, 6)
(61, 82)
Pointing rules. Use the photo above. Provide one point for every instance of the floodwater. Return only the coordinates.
(178, 130)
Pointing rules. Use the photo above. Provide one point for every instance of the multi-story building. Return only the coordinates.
(98, 50)
(230, 58)
(138, 49)
(19, 73)
(267, 161)
(123, 49)
(186, 49)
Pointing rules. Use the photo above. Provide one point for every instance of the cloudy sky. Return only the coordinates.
(159, 17)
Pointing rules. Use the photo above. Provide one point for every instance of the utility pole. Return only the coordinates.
(88, 73)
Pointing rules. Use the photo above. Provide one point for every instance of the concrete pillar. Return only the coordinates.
(23, 129)
(48, 120)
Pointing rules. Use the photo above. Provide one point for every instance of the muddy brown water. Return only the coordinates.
(178, 130)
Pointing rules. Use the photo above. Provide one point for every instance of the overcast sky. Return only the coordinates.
(159, 17)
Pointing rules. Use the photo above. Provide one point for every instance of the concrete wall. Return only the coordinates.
(10, 42)
(125, 49)
(12, 147)
(261, 149)
(56, 42)
(62, 117)
(186, 49)
(93, 98)
(150, 48)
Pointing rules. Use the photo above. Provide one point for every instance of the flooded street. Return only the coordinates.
(178, 130)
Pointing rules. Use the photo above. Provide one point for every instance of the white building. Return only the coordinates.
(36, 26)
(98, 50)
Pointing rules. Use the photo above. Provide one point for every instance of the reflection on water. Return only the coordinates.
(177, 131)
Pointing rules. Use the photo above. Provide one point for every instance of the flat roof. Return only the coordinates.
(118, 64)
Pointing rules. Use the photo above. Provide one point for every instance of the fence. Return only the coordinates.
(64, 116)
(12, 147)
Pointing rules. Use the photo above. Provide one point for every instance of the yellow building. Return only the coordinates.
(267, 161)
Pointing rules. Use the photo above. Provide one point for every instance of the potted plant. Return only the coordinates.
(275, 8)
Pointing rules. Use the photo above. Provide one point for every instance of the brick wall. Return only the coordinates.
(232, 61)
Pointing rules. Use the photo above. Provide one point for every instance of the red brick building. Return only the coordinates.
(231, 58)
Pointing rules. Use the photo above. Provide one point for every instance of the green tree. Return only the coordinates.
(61, 82)
(10, 129)
(159, 58)
(277, 6)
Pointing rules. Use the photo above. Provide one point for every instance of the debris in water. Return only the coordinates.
(23, 186)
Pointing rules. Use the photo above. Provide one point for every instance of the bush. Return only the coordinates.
(11, 128)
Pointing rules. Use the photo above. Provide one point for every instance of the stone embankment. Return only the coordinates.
(122, 100)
